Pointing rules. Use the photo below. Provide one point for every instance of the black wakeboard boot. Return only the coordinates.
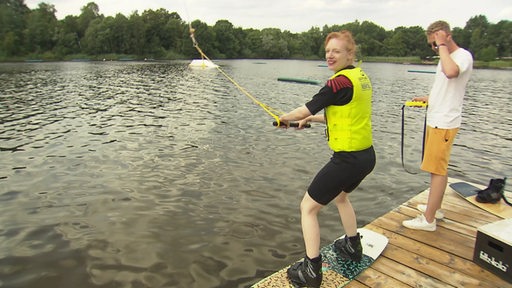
(349, 247)
(493, 193)
(306, 273)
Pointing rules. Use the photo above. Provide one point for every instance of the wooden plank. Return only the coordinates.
(458, 226)
(444, 238)
(460, 215)
(356, 284)
(431, 252)
(454, 206)
(413, 246)
(442, 258)
(405, 274)
(374, 278)
(434, 269)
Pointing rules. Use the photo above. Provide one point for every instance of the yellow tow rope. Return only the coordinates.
(271, 111)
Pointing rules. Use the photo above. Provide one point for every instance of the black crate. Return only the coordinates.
(493, 248)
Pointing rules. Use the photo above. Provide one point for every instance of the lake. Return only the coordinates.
(151, 174)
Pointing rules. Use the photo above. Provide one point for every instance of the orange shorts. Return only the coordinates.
(438, 146)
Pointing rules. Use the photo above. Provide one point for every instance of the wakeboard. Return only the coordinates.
(469, 191)
(337, 272)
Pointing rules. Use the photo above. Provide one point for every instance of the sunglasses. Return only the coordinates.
(433, 44)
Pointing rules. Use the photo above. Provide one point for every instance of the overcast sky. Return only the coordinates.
(301, 15)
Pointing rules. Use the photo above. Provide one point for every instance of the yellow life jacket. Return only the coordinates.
(349, 127)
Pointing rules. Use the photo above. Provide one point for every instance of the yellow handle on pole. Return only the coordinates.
(416, 104)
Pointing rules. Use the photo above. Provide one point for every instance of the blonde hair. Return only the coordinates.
(345, 36)
(438, 26)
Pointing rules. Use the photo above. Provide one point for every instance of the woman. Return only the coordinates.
(346, 101)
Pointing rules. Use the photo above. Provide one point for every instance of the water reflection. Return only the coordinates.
(155, 175)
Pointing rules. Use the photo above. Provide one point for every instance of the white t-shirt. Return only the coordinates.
(446, 95)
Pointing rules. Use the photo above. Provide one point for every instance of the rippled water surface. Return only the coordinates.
(155, 175)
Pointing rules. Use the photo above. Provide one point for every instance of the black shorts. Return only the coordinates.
(344, 172)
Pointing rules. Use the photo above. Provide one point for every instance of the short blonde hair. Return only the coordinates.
(438, 26)
(346, 36)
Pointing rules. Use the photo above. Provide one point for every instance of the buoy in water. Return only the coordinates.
(298, 80)
(422, 71)
(202, 64)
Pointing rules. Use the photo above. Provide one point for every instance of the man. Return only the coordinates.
(443, 118)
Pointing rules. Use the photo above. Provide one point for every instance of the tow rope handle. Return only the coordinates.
(290, 124)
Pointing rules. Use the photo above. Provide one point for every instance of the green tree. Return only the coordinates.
(96, 39)
(68, 41)
(353, 27)
(489, 53)
(251, 45)
(90, 12)
(12, 25)
(119, 36)
(158, 33)
(396, 44)
(415, 40)
(137, 34)
(462, 37)
(477, 41)
(41, 29)
(500, 36)
(205, 36)
(312, 43)
(155, 32)
(225, 40)
(175, 28)
(477, 27)
(370, 39)
(295, 46)
(9, 46)
(273, 46)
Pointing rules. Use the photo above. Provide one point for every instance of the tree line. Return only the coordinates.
(160, 34)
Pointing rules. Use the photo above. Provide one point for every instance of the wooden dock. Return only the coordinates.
(443, 258)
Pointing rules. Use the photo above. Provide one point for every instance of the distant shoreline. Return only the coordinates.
(498, 64)
(505, 64)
